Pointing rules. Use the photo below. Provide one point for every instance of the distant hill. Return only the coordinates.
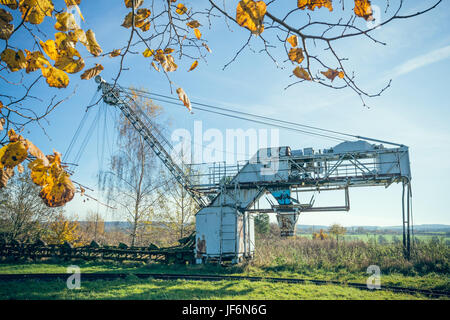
(417, 228)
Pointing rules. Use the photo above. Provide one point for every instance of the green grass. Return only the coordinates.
(428, 268)
(428, 281)
(132, 288)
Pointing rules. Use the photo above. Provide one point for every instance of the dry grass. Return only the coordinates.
(299, 253)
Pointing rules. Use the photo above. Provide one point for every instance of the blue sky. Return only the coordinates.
(414, 111)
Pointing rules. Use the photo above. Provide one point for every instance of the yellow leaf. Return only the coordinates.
(65, 21)
(13, 154)
(137, 3)
(293, 40)
(64, 42)
(115, 53)
(181, 9)
(145, 26)
(193, 66)
(301, 73)
(90, 73)
(296, 54)
(139, 19)
(59, 192)
(206, 47)
(57, 188)
(74, 3)
(78, 35)
(12, 4)
(5, 175)
(148, 52)
(184, 98)
(363, 9)
(14, 60)
(6, 28)
(55, 78)
(168, 50)
(69, 64)
(193, 24)
(155, 66)
(250, 14)
(92, 45)
(312, 4)
(198, 34)
(331, 74)
(36, 152)
(50, 49)
(36, 10)
(167, 62)
(35, 61)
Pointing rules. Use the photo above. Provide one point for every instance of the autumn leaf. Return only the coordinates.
(65, 21)
(193, 24)
(250, 14)
(69, 64)
(140, 18)
(59, 192)
(148, 52)
(92, 45)
(167, 61)
(2, 122)
(13, 154)
(181, 9)
(6, 29)
(115, 53)
(193, 66)
(184, 98)
(5, 175)
(296, 54)
(198, 34)
(92, 72)
(14, 60)
(206, 47)
(36, 10)
(36, 152)
(137, 3)
(35, 61)
(72, 2)
(50, 49)
(312, 4)
(293, 40)
(78, 36)
(331, 74)
(12, 4)
(155, 66)
(55, 78)
(363, 9)
(301, 73)
(57, 188)
(168, 50)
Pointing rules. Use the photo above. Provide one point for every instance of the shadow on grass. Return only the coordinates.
(127, 289)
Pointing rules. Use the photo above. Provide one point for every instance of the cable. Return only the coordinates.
(246, 114)
(257, 121)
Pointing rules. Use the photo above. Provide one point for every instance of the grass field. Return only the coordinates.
(428, 268)
(132, 288)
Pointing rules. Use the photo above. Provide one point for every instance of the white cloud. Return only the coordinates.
(423, 60)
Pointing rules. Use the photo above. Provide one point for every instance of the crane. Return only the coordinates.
(228, 195)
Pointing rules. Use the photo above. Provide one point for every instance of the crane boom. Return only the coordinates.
(115, 96)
